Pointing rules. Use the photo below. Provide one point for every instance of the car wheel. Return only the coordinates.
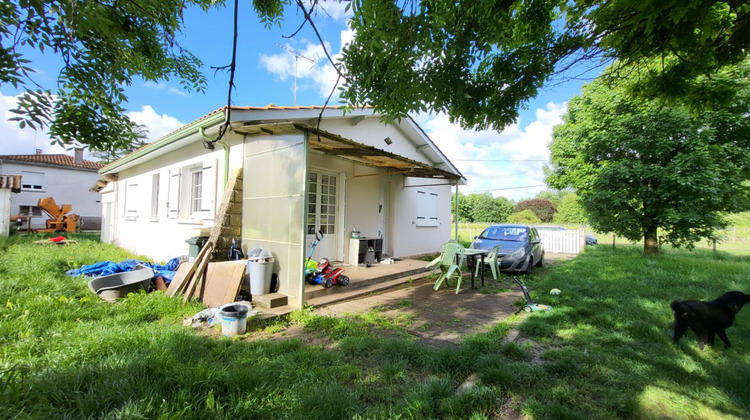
(541, 260)
(343, 280)
(529, 267)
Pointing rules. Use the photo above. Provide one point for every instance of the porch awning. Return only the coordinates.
(336, 145)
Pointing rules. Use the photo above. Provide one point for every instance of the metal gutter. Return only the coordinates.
(192, 128)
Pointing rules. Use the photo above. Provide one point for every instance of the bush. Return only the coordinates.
(526, 217)
(542, 208)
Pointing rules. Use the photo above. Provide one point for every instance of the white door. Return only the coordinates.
(322, 205)
(383, 210)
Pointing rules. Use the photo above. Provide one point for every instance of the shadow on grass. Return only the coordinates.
(603, 352)
(609, 338)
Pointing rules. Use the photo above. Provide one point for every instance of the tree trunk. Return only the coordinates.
(650, 242)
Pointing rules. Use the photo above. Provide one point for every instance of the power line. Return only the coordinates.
(499, 160)
(509, 188)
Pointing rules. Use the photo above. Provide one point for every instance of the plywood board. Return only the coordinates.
(183, 271)
(223, 282)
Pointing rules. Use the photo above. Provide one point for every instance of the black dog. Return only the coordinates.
(707, 319)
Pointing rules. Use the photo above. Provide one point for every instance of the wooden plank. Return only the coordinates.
(183, 271)
(199, 272)
(223, 282)
(184, 281)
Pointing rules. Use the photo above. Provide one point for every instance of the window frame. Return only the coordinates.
(32, 186)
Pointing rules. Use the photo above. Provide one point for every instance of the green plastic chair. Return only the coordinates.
(490, 259)
(448, 265)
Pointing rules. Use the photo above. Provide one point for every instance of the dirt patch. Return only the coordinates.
(436, 318)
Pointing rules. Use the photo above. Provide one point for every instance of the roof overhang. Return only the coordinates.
(333, 144)
(277, 120)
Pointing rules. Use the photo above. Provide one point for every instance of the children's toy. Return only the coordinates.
(336, 274)
(530, 305)
(322, 272)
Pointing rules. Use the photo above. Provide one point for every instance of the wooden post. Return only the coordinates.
(613, 242)
(714, 241)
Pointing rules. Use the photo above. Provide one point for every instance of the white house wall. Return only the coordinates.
(163, 237)
(405, 238)
(372, 132)
(65, 185)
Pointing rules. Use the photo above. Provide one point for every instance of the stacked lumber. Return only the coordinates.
(186, 281)
(213, 283)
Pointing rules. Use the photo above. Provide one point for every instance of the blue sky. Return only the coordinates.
(266, 73)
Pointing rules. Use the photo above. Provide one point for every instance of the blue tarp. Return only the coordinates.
(105, 268)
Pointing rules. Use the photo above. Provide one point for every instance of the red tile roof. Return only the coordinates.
(54, 160)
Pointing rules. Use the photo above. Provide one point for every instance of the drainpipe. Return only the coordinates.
(202, 131)
(456, 216)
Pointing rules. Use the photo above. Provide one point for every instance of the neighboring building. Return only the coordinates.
(65, 178)
(351, 171)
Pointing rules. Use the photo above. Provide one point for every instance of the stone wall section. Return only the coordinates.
(228, 223)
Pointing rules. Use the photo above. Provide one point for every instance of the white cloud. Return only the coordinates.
(164, 87)
(522, 147)
(17, 141)
(320, 76)
(157, 125)
(336, 9)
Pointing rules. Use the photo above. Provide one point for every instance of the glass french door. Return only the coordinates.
(322, 204)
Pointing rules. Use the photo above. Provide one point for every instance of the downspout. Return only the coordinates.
(456, 216)
(202, 131)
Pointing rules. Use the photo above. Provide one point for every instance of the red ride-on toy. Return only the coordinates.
(335, 274)
(322, 273)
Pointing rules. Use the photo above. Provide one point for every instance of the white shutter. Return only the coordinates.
(431, 210)
(208, 191)
(427, 207)
(131, 201)
(173, 201)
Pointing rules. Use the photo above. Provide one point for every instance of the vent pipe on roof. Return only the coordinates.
(78, 155)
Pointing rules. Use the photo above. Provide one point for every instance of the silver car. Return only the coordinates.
(520, 246)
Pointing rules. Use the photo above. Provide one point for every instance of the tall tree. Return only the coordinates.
(486, 208)
(543, 208)
(480, 61)
(641, 165)
(477, 61)
(464, 208)
(570, 211)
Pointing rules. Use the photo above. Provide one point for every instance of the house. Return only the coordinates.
(276, 178)
(65, 178)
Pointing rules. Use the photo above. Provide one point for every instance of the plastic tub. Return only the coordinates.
(233, 318)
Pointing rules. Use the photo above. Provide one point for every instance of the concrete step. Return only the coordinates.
(270, 300)
(346, 293)
(314, 291)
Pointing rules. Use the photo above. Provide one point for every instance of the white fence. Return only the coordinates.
(563, 241)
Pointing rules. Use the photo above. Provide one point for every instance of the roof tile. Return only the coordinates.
(56, 160)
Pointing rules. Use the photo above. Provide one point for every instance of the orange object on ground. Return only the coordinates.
(61, 220)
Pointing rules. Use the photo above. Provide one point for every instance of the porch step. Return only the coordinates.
(363, 281)
(344, 293)
(270, 300)
(357, 292)
(358, 281)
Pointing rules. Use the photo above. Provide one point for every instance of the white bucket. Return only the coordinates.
(233, 318)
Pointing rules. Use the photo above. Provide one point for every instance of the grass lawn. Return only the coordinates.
(603, 352)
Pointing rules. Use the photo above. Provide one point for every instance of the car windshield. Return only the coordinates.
(501, 233)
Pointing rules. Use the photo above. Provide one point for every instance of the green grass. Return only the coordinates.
(603, 352)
